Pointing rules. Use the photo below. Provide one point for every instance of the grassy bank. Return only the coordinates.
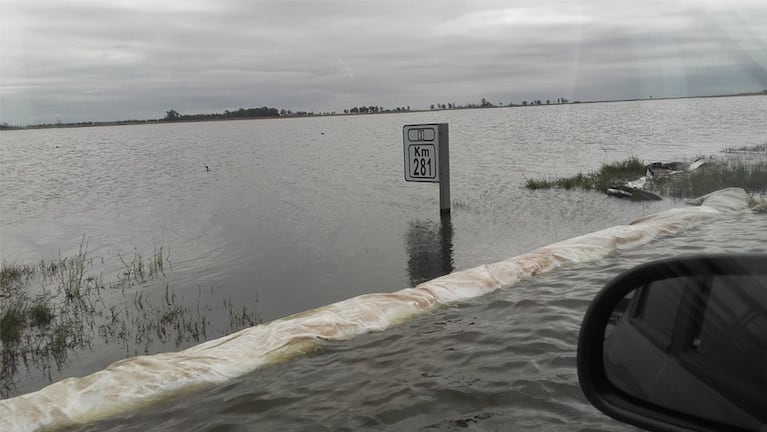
(53, 309)
(744, 167)
(600, 180)
(713, 176)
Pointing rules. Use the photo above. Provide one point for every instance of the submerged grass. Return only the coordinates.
(39, 331)
(600, 180)
(744, 167)
(40, 314)
(759, 148)
(137, 270)
(71, 271)
(11, 276)
(12, 323)
(713, 176)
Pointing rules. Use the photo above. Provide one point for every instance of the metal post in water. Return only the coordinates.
(444, 171)
(427, 159)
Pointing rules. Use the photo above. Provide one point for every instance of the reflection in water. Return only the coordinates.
(76, 310)
(429, 249)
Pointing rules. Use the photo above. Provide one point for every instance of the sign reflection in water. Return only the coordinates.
(429, 249)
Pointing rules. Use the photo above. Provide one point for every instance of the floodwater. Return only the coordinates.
(299, 213)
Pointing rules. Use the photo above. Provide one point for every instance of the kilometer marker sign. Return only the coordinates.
(427, 158)
(423, 163)
(421, 153)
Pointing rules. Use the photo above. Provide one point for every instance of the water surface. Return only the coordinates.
(299, 213)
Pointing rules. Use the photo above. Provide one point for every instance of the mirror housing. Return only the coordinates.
(611, 330)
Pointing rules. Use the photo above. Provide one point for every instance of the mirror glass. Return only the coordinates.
(694, 344)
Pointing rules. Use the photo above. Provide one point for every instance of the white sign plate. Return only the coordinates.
(421, 146)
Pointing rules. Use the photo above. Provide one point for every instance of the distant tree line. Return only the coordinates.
(372, 109)
(241, 113)
(484, 103)
(6, 126)
(539, 102)
(266, 112)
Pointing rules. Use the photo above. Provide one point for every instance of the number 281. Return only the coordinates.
(422, 167)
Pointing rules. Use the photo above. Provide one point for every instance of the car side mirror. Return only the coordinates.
(680, 344)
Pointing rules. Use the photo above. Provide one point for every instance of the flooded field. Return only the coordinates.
(295, 214)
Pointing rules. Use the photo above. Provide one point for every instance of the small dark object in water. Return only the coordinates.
(206, 168)
(634, 194)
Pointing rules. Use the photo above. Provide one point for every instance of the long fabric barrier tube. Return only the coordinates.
(136, 382)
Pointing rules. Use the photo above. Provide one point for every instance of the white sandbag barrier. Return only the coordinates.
(137, 382)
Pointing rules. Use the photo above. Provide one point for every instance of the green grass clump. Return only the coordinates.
(539, 183)
(601, 180)
(737, 170)
(40, 314)
(12, 323)
(712, 176)
(12, 275)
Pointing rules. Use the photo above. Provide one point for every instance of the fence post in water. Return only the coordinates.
(427, 158)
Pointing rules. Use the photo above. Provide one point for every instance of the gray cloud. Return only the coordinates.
(120, 60)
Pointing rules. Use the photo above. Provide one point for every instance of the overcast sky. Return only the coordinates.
(110, 60)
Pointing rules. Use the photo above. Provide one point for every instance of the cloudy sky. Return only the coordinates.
(132, 59)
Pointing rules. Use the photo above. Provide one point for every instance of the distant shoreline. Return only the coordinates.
(761, 93)
(5, 127)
